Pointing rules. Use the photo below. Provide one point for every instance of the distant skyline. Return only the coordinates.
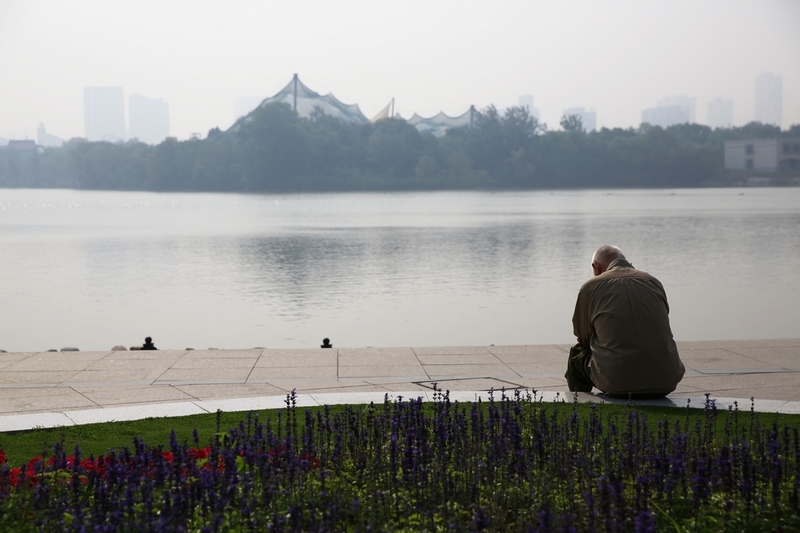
(617, 57)
(148, 119)
(769, 99)
(104, 114)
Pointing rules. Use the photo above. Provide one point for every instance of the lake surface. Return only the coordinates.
(94, 269)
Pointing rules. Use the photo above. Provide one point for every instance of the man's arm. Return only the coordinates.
(580, 320)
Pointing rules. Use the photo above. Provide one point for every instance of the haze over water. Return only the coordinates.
(95, 269)
(618, 57)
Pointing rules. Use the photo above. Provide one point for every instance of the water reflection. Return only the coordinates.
(98, 269)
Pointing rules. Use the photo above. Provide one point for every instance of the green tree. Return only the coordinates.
(572, 124)
(275, 150)
(393, 151)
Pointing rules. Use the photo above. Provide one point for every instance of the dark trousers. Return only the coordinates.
(578, 377)
(580, 380)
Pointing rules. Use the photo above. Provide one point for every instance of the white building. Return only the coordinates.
(765, 155)
(769, 99)
(666, 116)
(685, 102)
(526, 101)
(588, 117)
(720, 113)
(104, 113)
(148, 119)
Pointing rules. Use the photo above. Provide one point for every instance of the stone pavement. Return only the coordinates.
(48, 389)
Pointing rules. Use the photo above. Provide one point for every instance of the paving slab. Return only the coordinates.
(782, 356)
(48, 389)
(452, 350)
(61, 361)
(253, 353)
(14, 401)
(496, 369)
(771, 385)
(52, 378)
(391, 386)
(460, 359)
(394, 357)
(409, 372)
(206, 373)
(354, 389)
(270, 373)
(529, 354)
(472, 384)
(738, 344)
(299, 359)
(722, 359)
(191, 362)
(144, 374)
(132, 395)
(225, 390)
(539, 382)
(544, 368)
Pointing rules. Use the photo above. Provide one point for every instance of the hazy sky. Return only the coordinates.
(616, 56)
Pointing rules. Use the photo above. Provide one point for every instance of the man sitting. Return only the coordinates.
(625, 345)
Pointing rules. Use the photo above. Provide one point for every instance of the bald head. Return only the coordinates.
(604, 256)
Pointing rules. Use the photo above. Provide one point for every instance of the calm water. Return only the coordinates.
(95, 269)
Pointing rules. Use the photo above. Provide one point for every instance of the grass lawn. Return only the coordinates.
(98, 439)
(509, 464)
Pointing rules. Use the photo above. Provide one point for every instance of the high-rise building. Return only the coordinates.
(720, 113)
(685, 102)
(588, 117)
(104, 113)
(526, 101)
(670, 111)
(148, 119)
(666, 116)
(769, 99)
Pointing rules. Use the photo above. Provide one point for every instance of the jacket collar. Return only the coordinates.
(619, 263)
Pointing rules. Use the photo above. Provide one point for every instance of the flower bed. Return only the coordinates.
(511, 464)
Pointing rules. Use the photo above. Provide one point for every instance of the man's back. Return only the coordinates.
(624, 315)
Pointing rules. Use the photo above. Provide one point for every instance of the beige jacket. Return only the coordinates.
(624, 315)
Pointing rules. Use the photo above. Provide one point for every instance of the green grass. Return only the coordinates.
(97, 439)
(507, 465)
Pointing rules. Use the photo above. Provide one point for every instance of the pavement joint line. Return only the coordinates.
(28, 401)
(84, 396)
(253, 367)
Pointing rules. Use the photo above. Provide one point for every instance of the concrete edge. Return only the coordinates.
(22, 422)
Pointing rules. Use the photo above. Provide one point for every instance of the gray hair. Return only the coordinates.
(606, 254)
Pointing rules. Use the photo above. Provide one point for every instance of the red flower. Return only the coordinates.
(34, 463)
(17, 478)
(195, 454)
(15, 472)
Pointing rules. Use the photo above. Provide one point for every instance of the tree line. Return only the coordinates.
(275, 150)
